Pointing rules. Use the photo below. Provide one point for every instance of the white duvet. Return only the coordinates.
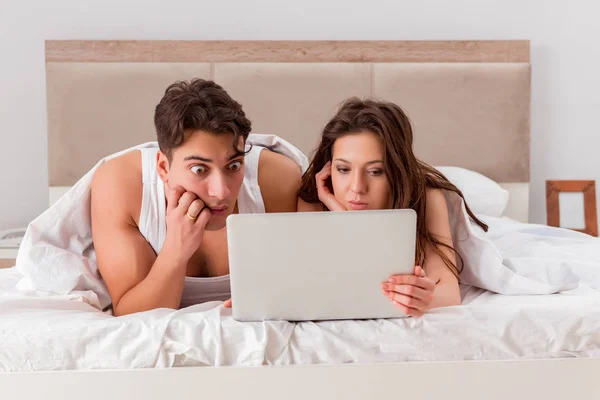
(57, 255)
(40, 331)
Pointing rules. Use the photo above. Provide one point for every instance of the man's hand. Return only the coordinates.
(186, 219)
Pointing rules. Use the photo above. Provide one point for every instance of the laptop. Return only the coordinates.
(313, 266)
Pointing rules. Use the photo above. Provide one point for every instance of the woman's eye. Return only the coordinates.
(235, 166)
(342, 170)
(198, 169)
(376, 172)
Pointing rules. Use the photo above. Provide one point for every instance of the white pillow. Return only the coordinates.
(482, 194)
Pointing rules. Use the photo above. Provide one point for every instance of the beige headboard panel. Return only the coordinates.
(468, 101)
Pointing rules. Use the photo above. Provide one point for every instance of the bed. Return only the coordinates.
(100, 99)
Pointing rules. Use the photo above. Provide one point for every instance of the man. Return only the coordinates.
(158, 214)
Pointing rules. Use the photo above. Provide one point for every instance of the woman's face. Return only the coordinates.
(357, 173)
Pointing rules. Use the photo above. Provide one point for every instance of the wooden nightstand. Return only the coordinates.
(7, 257)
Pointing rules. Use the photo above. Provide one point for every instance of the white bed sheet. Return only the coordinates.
(51, 333)
(42, 332)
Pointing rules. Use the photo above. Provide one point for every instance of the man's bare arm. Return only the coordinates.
(279, 178)
(136, 278)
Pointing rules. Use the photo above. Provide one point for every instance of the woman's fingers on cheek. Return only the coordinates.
(326, 168)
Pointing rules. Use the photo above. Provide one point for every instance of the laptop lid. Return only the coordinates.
(318, 265)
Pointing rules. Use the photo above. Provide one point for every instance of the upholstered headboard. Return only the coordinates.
(468, 100)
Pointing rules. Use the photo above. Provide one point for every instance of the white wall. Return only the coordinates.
(565, 58)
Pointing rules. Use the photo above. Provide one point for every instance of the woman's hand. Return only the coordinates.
(325, 195)
(411, 294)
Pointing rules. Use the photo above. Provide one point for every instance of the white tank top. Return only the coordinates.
(152, 224)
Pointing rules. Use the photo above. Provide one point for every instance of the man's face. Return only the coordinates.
(207, 165)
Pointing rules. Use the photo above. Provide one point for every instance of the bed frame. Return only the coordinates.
(469, 102)
(490, 380)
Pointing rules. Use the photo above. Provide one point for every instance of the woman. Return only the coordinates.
(365, 161)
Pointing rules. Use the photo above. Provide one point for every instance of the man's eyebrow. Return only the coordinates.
(236, 155)
(199, 158)
(208, 160)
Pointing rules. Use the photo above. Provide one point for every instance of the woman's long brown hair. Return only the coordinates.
(409, 178)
